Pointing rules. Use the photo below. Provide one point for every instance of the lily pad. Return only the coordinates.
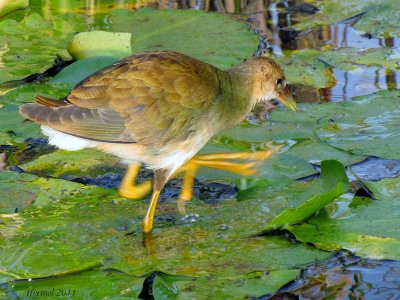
(217, 39)
(84, 285)
(72, 164)
(17, 57)
(295, 131)
(13, 128)
(251, 285)
(332, 184)
(96, 228)
(367, 126)
(27, 189)
(302, 68)
(370, 230)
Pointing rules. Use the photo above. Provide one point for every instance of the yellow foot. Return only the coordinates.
(129, 189)
(218, 161)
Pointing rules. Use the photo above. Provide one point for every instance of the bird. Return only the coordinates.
(160, 108)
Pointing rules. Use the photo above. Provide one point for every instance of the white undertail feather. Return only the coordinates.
(66, 141)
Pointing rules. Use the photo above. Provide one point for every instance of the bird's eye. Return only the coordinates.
(280, 83)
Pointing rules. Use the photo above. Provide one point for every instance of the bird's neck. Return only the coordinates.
(237, 100)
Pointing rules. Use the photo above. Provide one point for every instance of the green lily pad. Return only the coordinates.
(13, 128)
(302, 68)
(295, 131)
(370, 230)
(27, 189)
(83, 285)
(240, 287)
(332, 184)
(97, 43)
(367, 126)
(30, 46)
(94, 227)
(217, 39)
(71, 164)
(81, 69)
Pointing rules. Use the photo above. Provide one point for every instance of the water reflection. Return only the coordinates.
(362, 81)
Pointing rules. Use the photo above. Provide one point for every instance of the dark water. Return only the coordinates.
(344, 276)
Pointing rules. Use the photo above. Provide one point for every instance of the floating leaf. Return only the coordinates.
(83, 285)
(332, 184)
(367, 126)
(217, 39)
(295, 131)
(246, 286)
(370, 230)
(95, 227)
(18, 56)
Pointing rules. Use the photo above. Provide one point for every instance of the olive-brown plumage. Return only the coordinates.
(158, 107)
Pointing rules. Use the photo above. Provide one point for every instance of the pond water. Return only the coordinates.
(273, 22)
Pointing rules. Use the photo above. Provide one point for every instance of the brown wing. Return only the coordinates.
(95, 124)
(157, 94)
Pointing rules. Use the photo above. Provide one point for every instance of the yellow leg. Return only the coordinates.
(217, 161)
(129, 189)
(259, 155)
(148, 219)
(161, 177)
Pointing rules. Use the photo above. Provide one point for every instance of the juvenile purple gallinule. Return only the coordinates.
(160, 108)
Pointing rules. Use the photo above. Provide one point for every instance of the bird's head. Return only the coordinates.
(267, 81)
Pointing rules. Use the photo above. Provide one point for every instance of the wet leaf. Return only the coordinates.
(370, 230)
(95, 227)
(295, 131)
(240, 287)
(72, 164)
(367, 126)
(81, 69)
(49, 38)
(333, 183)
(217, 39)
(13, 128)
(18, 191)
(84, 285)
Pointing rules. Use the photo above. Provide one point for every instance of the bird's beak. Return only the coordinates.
(286, 98)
